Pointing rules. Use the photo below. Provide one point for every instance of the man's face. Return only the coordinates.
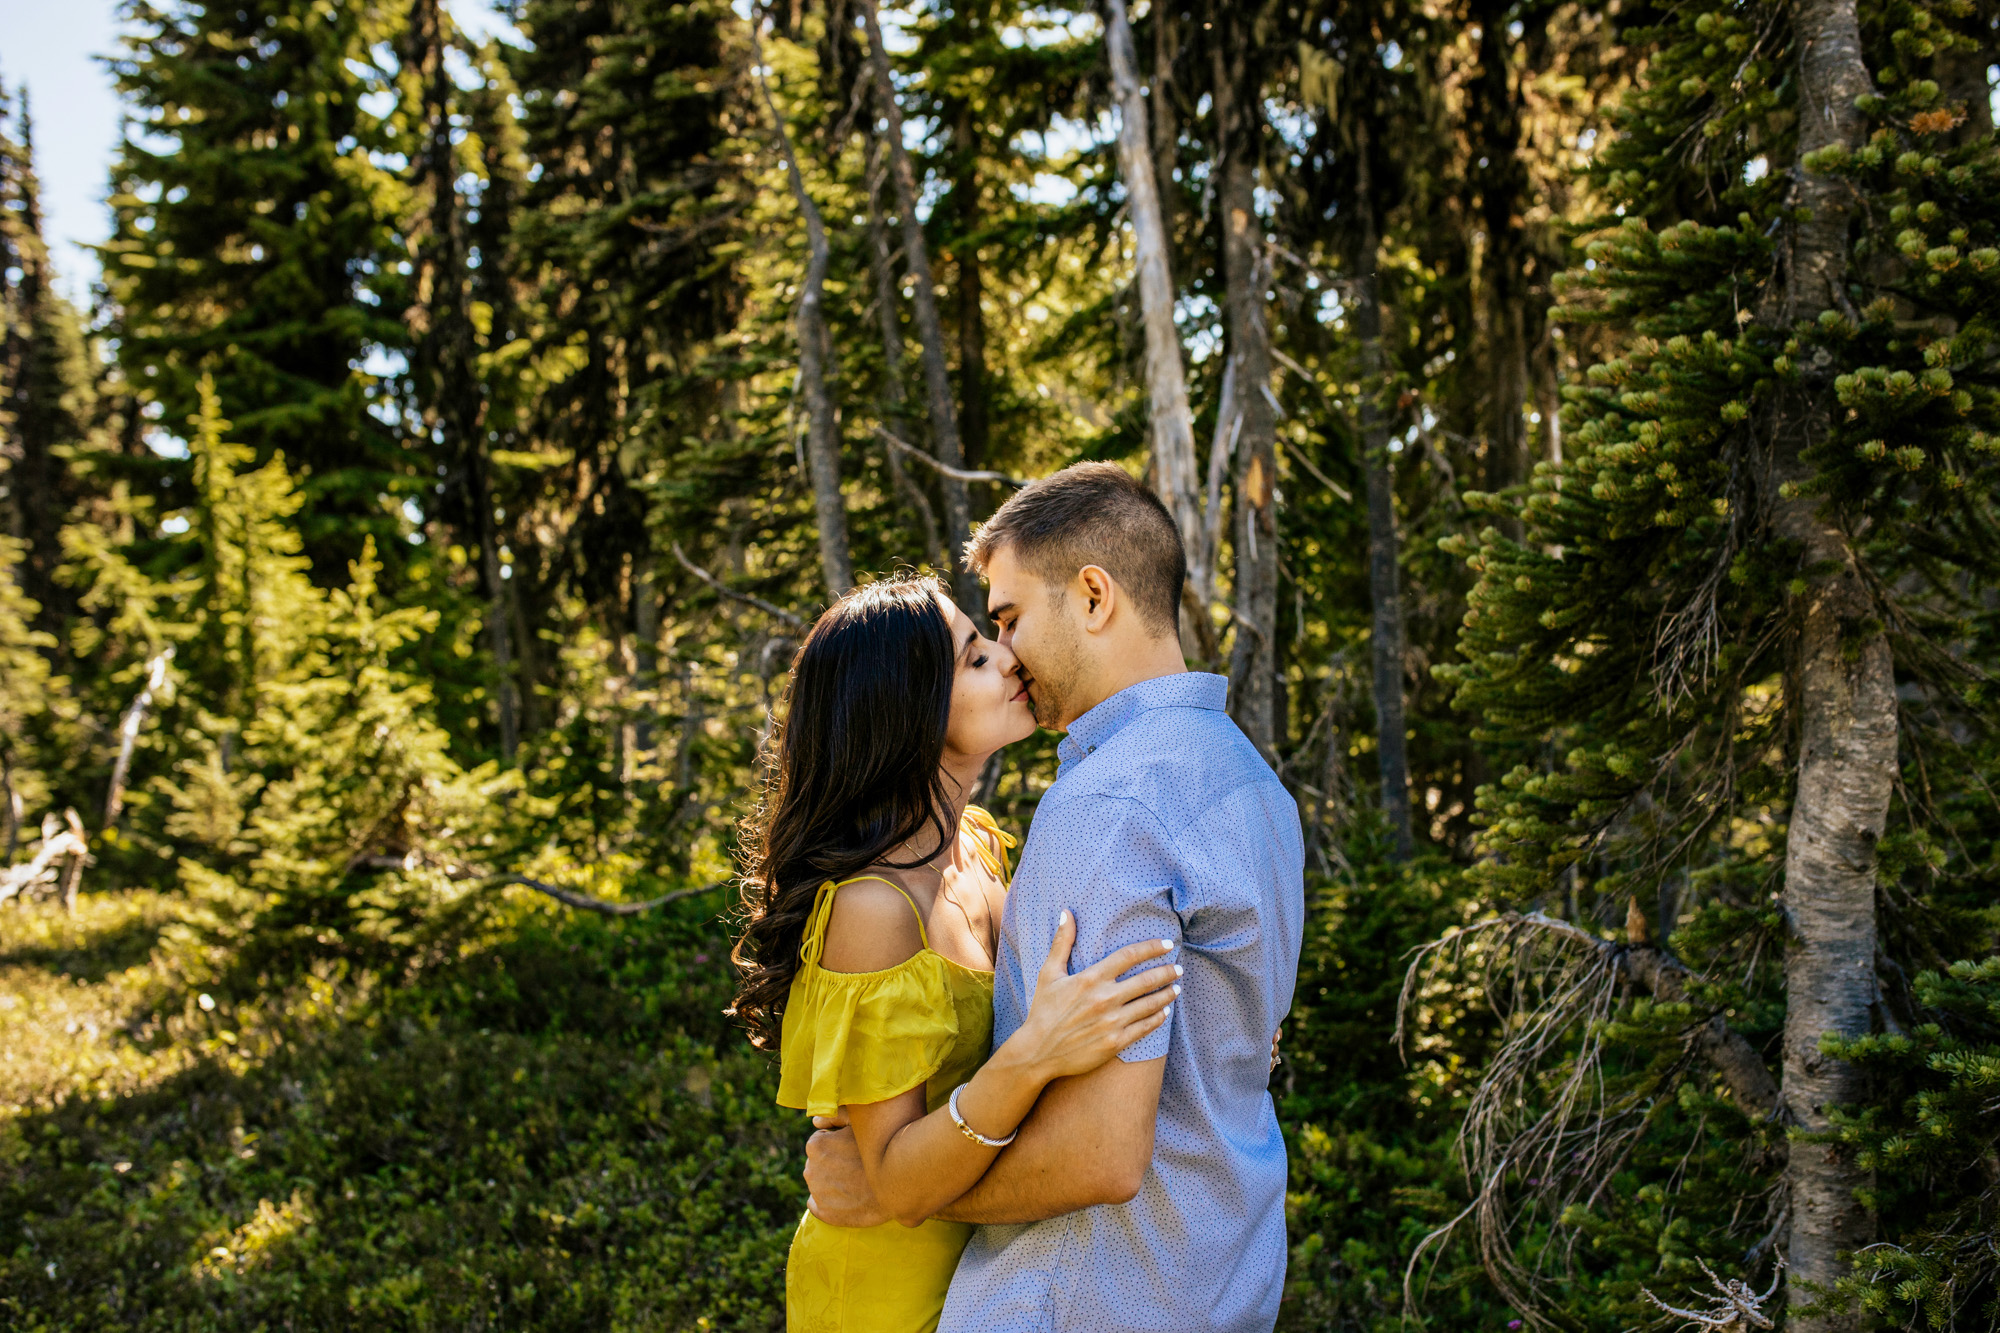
(1036, 622)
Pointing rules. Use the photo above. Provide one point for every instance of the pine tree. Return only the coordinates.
(1777, 517)
(255, 244)
(45, 377)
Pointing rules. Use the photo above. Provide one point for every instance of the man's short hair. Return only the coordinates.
(1093, 514)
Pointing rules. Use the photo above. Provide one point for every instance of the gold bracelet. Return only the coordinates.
(952, 1105)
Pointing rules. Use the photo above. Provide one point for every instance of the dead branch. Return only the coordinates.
(1735, 1309)
(568, 897)
(60, 844)
(956, 474)
(768, 608)
(1557, 985)
(128, 731)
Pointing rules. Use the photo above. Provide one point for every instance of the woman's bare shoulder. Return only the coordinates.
(872, 927)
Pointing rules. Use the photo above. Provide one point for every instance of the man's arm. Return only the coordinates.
(1088, 1141)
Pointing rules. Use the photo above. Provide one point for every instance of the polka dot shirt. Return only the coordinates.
(1164, 822)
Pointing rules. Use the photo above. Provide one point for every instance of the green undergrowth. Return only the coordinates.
(553, 1128)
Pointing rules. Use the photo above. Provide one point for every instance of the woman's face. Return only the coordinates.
(989, 704)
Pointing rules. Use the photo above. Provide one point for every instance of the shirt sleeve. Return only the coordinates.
(1108, 860)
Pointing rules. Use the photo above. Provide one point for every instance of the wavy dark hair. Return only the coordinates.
(853, 774)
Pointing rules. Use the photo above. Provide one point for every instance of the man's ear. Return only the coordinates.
(1098, 593)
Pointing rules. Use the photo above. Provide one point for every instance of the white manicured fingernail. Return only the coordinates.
(1179, 971)
(1177, 991)
(1167, 1012)
(1065, 916)
(1166, 946)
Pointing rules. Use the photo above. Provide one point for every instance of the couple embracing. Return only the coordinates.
(1041, 1103)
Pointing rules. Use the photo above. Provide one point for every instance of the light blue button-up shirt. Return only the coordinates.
(1163, 822)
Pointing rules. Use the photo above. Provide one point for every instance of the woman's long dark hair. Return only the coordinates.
(854, 775)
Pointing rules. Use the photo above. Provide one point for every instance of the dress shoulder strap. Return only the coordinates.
(992, 848)
(815, 939)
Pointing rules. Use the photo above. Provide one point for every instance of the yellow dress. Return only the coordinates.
(852, 1038)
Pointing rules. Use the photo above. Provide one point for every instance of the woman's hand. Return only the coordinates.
(1078, 1022)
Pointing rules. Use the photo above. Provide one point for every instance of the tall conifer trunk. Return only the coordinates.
(815, 351)
(972, 387)
(1845, 693)
(1502, 178)
(443, 355)
(1253, 666)
(31, 374)
(1175, 476)
(895, 396)
(930, 328)
(1386, 637)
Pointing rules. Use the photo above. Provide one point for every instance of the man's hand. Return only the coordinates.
(838, 1188)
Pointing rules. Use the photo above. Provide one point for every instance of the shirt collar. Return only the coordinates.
(1187, 689)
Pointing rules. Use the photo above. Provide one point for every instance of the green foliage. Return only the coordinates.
(253, 242)
(548, 1127)
(1930, 1141)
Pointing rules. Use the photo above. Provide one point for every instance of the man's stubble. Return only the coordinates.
(1057, 671)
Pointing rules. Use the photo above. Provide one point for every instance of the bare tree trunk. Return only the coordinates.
(128, 739)
(1384, 549)
(1175, 475)
(930, 329)
(975, 427)
(1503, 184)
(1253, 665)
(895, 398)
(1164, 125)
(815, 344)
(443, 354)
(1846, 697)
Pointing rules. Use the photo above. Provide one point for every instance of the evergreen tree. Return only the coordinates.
(1781, 483)
(255, 244)
(46, 386)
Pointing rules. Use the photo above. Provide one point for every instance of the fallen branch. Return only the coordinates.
(128, 732)
(589, 904)
(768, 608)
(955, 473)
(569, 897)
(58, 843)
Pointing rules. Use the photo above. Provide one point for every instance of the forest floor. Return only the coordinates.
(552, 1127)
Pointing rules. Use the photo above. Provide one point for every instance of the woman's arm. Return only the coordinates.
(917, 1163)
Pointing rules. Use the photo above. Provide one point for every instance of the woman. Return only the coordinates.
(873, 899)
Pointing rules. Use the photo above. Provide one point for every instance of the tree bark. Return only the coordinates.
(895, 397)
(815, 345)
(1175, 476)
(443, 352)
(974, 418)
(1163, 123)
(30, 362)
(1844, 683)
(1386, 638)
(930, 329)
(1503, 183)
(1253, 665)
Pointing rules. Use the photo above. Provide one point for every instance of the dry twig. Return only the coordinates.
(956, 474)
(570, 897)
(1557, 986)
(1736, 1309)
(723, 589)
(62, 842)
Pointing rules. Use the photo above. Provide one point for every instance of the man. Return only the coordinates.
(1148, 1194)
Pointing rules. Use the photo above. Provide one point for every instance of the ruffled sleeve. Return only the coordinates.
(851, 1038)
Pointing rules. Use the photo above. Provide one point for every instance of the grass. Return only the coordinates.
(554, 1128)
